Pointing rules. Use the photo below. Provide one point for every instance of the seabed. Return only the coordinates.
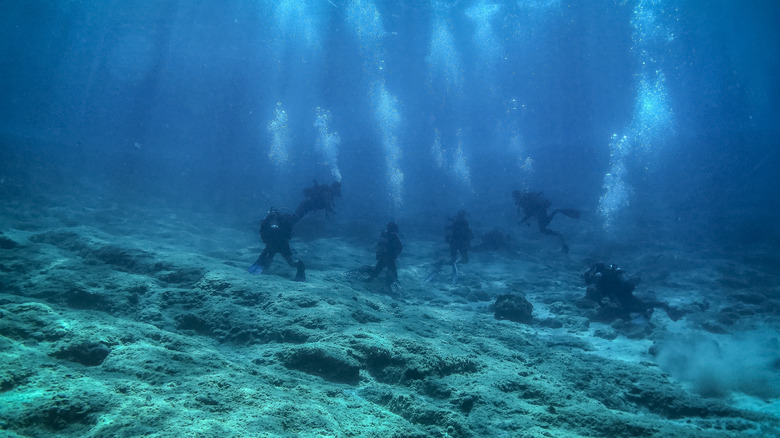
(135, 320)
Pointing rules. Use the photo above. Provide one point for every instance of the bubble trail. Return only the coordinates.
(327, 141)
(280, 137)
(444, 65)
(487, 44)
(388, 117)
(652, 122)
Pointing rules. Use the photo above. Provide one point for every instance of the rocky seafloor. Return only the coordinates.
(122, 320)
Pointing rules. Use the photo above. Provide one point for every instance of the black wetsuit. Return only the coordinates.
(319, 197)
(535, 205)
(276, 231)
(612, 282)
(387, 251)
(459, 235)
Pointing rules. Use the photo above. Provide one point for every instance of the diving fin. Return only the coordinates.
(455, 273)
(255, 269)
(435, 272)
(300, 273)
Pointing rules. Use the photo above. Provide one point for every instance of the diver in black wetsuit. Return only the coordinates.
(319, 197)
(458, 235)
(387, 251)
(612, 283)
(276, 231)
(535, 205)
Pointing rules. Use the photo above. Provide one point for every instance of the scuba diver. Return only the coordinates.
(387, 250)
(458, 235)
(535, 205)
(276, 231)
(611, 282)
(319, 197)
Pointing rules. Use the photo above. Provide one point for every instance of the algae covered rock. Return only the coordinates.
(514, 308)
(331, 363)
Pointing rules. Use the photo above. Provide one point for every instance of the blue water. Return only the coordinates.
(635, 112)
(142, 140)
